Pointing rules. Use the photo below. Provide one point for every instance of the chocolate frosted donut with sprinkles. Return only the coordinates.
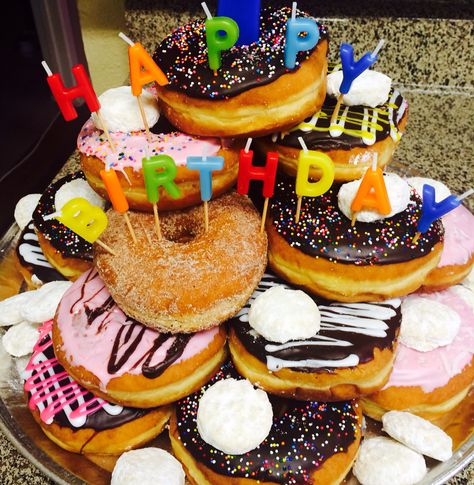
(350, 356)
(309, 442)
(67, 252)
(327, 256)
(73, 417)
(253, 92)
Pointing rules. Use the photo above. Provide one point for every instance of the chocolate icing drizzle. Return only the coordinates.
(128, 336)
(67, 242)
(303, 436)
(105, 416)
(31, 257)
(183, 58)
(325, 232)
(349, 334)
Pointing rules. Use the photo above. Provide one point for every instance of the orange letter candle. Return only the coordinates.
(372, 193)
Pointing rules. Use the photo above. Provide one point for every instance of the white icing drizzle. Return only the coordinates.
(32, 253)
(361, 318)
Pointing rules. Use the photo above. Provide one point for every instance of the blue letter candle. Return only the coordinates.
(352, 69)
(247, 15)
(295, 43)
(205, 165)
(432, 210)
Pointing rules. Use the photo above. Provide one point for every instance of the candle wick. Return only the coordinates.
(466, 194)
(378, 47)
(303, 144)
(46, 68)
(206, 10)
(126, 39)
(247, 145)
(293, 11)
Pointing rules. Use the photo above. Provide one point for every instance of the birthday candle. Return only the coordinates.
(372, 193)
(306, 160)
(248, 172)
(205, 165)
(115, 190)
(432, 210)
(246, 14)
(160, 171)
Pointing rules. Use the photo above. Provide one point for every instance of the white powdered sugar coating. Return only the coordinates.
(418, 434)
(371, 88)
(24, 209)
(441, 190)
(427, 324)
(398, 192)
(383, 461)
(120, 111)
(43, 302)
(77, 188)
(281, 314)
(234, 417)
(148, 466)
(20, 339)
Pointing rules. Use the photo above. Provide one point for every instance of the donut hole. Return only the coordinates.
(182, 230)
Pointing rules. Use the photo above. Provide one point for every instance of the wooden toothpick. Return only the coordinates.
(106, 131)
(157, 221)
(130, 227)
(107, 248)
(300, 197)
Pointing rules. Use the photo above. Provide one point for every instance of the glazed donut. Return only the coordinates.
(191, 280)
(324, 254)
(122, 361)
(364, 131)
(67, 252)
(309, 442)
(74, 418)
(253, 93)
(431, 383)
(336, 364)
(31, 262)
(131, 148)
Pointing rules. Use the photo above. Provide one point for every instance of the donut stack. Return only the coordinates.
(141, 335)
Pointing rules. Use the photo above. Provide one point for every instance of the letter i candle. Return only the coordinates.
(266, 174)
(83, 89)
(205, 165)
(117, 197)
(159, 171)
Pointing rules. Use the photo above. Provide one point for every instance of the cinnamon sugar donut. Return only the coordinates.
(252, 93)
(123, 361)
(133, 146)
(367, 262)
(191, 280)
(73, 417)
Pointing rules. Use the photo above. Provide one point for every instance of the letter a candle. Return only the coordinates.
(159, 171)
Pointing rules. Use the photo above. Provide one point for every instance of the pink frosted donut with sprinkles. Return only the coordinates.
(75, 419)
(132, 143)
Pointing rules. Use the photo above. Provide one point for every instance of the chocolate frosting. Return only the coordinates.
(349, 334)
(67, 242)
(303, 436)
(183, 58)
(30, 255)
(105, 417)
(325, 232)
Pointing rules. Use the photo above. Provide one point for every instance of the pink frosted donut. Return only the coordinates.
(457, 257)
(431, 383)
(123, 361)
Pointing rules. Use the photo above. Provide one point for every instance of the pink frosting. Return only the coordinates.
(90, 343)
(132, 147)
(435, 368)
(458, 238)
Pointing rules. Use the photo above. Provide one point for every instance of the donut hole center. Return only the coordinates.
(183, 231)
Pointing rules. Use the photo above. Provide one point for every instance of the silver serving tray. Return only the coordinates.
(66, 468)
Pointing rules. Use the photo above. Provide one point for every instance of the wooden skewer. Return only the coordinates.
(145, 121)
(417, 236)
(335, 113)
(354, 218)
(157, 222)
(206, 216)
(264, 214)
(107, 248)
(148, 238)
(298, 209)
(130, 227)
(106, 131)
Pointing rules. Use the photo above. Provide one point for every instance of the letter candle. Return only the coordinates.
(83, 89)
(432, 210)
(86, 220)
(246, 13)
(294, 41)
(117, 197)
(216, 42)
(159, 171)
(143, 70)
(205, 165)
(351, 70)
(304, 187)
(372, 192)
(266, 174)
